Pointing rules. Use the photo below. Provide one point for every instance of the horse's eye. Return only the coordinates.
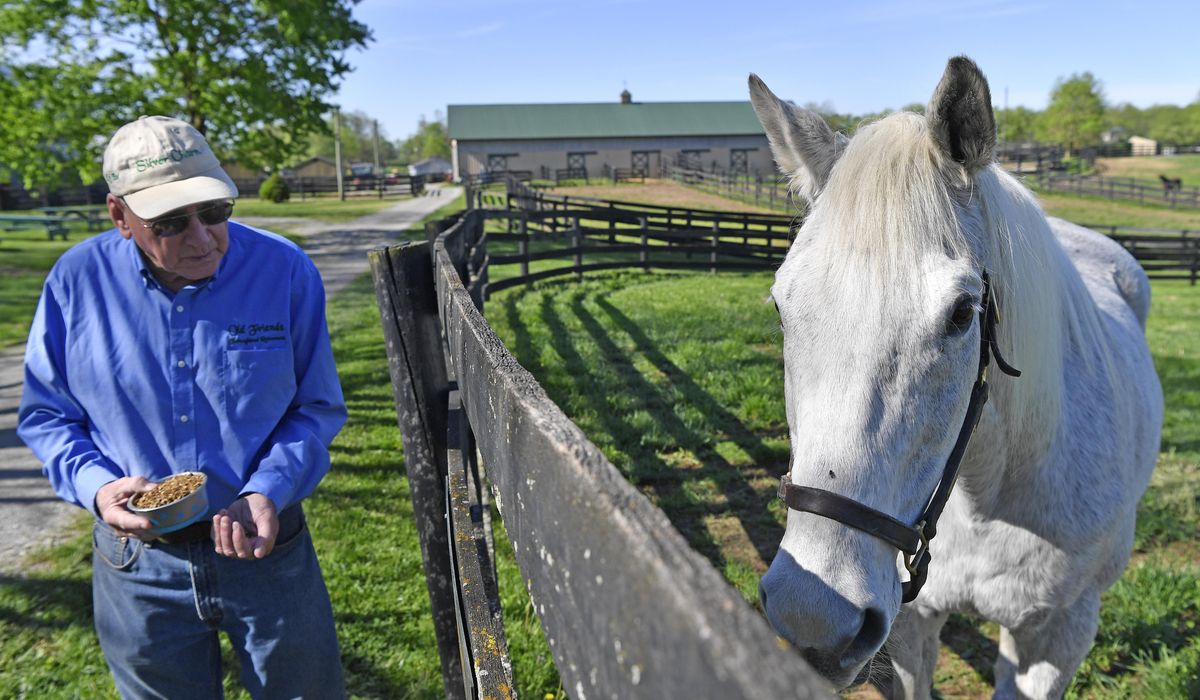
(960, 320)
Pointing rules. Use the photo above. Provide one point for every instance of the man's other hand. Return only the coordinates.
(111, 501)
(247, 529)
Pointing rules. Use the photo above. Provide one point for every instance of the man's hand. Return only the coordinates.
(247, 529)
(110, 504)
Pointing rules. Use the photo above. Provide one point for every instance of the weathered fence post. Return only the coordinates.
(577, 244)
(523, 245)
(407, 298)
(644, 251)
(716, 241)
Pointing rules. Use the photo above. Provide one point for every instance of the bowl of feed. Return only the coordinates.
(173, 503)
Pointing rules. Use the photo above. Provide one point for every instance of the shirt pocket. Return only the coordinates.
(259, 384)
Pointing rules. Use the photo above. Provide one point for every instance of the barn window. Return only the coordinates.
(497, 163)
(739, 161)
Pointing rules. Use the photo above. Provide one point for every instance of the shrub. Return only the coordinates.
(275, 189)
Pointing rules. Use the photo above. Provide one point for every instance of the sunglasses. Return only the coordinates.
(211, 215)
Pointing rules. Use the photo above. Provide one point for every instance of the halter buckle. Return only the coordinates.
(912, 562)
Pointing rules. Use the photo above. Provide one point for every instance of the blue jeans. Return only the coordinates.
(159, 608)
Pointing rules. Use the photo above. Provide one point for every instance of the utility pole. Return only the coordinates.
(337, 151)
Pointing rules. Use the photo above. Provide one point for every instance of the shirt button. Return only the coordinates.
(182, 363)
(179, 308)
(183, 419)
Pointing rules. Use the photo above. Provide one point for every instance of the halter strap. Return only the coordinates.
(913, 540)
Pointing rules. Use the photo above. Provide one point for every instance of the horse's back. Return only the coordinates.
(1105, 267)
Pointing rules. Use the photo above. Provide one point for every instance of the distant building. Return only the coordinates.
(1142, 146)
(431, 168)
(317, 166)
(1113, 134)
(577, 139)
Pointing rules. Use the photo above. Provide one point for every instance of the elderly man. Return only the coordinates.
(181, 341)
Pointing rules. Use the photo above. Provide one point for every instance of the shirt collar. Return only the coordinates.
(139, 264)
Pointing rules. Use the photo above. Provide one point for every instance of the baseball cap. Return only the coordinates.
(159, 164)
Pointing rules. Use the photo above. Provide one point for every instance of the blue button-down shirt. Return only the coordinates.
(232, 376)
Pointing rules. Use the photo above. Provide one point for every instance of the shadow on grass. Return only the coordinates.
(744, 502)
(646, 467)
(962, 635)
(46, 603)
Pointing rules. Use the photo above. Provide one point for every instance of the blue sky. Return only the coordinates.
(859, 56)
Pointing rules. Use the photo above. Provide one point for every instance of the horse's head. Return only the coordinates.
(879, 304)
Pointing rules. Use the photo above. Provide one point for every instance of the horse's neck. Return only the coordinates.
(1039, 293)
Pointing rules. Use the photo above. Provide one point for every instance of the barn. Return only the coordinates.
(591, 139)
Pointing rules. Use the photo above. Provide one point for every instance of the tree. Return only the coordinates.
(1016, 125)
(1075, 116)
(429, 141)
(358, 140)
(252, 76)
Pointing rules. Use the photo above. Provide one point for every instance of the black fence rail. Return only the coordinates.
(629, 608)
(1162, 253)
(380, 186)
(1124, 188)
(772, 194)
(521, 196)
(1026, 159)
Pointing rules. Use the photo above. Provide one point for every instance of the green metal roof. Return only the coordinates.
(601, 120)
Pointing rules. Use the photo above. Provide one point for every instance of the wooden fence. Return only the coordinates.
(1126, 188)
(363, 186)
(629, 609)
(772, 194)
(1162, 253)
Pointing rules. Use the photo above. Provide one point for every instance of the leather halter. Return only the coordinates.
(913, 540)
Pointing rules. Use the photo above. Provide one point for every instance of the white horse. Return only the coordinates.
(882, 301)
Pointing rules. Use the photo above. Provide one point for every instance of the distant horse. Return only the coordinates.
(1170, 183)
(923, 275)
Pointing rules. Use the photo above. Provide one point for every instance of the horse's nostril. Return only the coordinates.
(870, 636)
(762, 597)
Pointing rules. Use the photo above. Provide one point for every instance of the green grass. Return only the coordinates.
(26, 255)
(1184, 166)
(1097, 211)
(328, 209)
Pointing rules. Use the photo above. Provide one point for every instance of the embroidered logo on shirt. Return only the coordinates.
(251, 334)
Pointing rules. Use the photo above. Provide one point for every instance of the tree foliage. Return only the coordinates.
(253, 76)
(430, 140)
(358, 140)
(1016, 125)
(1075, 116)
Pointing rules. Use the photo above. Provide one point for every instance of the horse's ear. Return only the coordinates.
(804, 146)
(960, 115)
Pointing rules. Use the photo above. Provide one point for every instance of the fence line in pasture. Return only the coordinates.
(629, 609)
(1125, 188)
(1162, 253)
(772, 194)
(362, 186)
